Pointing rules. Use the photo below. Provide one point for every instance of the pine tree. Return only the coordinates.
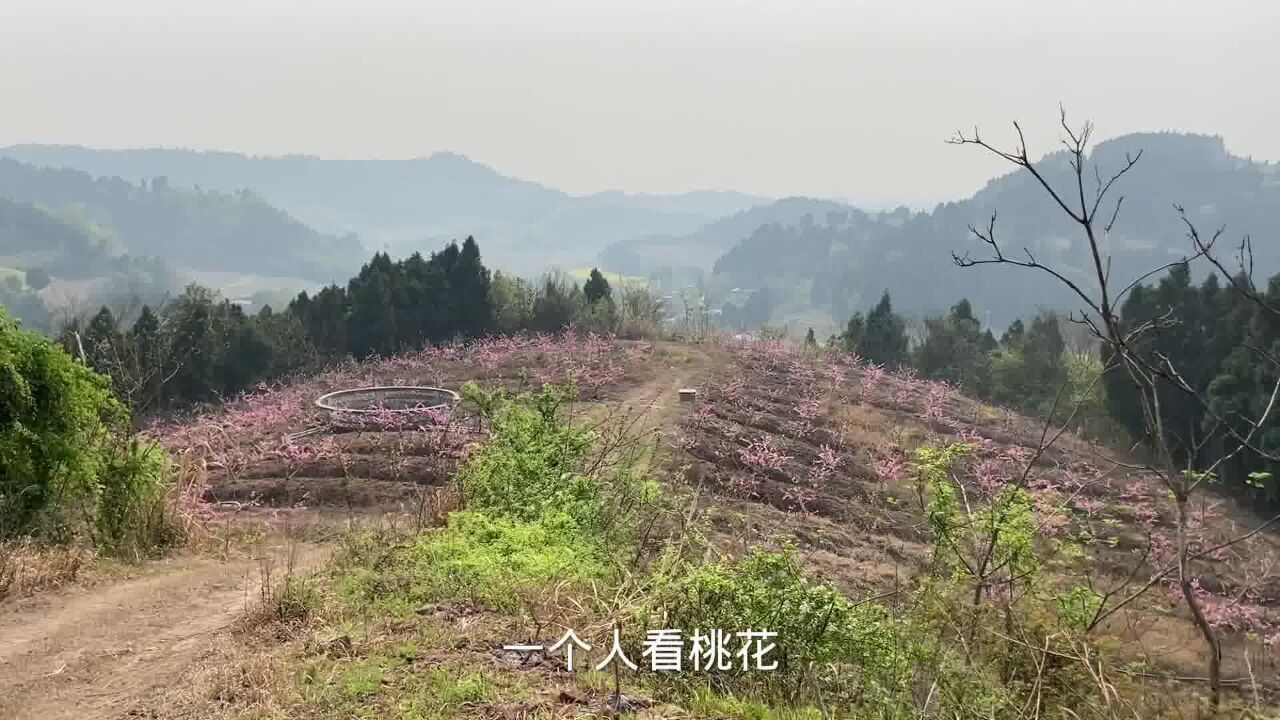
(371, 325)
(596, 288)
(1012, 338)
(884, 339)
(101, 339)
(851, 338)
(955, 348)
(469, 282)
(198, 338)
(553, 308)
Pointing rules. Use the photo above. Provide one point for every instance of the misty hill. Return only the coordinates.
(192, 228)
(406, 205)
(54, 266)
(32, 239)
(838, 267)
(699, 249)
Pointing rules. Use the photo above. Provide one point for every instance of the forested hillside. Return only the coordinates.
(54, 265)
(838, 266)
(191, 228)
(404, 206)
(31, 238)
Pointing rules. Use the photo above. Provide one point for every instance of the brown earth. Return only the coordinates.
(100, 652)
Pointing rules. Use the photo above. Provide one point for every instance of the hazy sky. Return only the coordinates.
(840, 98)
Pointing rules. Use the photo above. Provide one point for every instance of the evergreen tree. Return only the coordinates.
(956, 348)
(324, 318)
(596, 288)
(101, 338)
(884, 337)
(146, 334)
(371, 324)
(197, 336)
(553, 308)
(151, 362)
(469, 283)
(512, 300)
(851, 338)
(248, 355)
(1012, 338)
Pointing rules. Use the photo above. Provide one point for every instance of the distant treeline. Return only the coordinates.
(1213, 345)
(201, 347)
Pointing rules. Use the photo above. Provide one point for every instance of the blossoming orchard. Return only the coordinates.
(874, 471)
(803, 432)
(274, 448)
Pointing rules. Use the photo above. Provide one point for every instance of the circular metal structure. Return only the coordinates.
(389, 407)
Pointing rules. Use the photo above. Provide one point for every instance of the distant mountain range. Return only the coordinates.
(407, 205)
(300, 216)
(839, 264)
(189, 228)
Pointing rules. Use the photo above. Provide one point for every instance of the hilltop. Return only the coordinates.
(782, 447)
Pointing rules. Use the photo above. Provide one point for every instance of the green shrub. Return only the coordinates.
(531, 466)
(295, 600)
(538, 464)
(818, 629)
(134, 516)
(54, 416)
(495, 562)
(68, 461)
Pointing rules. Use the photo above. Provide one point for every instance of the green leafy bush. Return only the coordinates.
(134, 516)
(538, 464)
(531, 466)
(818, 629)
(68, 459)
(495, 562)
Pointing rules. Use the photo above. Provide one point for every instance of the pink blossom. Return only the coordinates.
(1088, 506)
(829, 459)
(762, 455)
(800, 497)
(892, 466)
(871, 378)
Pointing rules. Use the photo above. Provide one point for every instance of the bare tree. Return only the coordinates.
(1153, 375)
(138, 371)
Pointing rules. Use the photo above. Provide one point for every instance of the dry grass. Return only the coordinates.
(26, 567)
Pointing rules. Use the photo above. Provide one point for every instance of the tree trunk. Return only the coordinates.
(1210, 636)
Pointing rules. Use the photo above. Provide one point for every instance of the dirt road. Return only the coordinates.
(99, 652)
(679, 366)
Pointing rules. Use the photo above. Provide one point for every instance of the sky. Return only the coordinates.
(848, 99)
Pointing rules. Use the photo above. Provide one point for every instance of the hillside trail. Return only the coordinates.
(101, 652)
(658, 397)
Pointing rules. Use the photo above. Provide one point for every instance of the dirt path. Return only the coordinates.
(99, 652)
(680, 366)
